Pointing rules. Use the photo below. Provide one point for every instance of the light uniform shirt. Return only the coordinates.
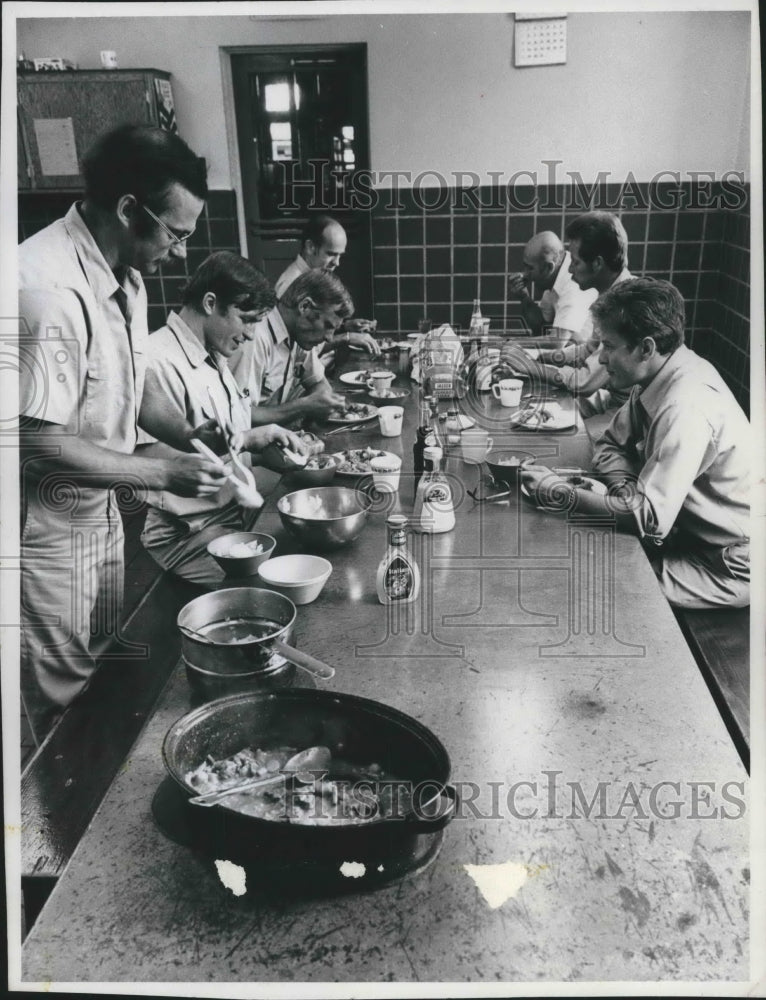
(290, 273)
(688, 440)
(184, 370)
(271, 368)
(83, 336)
(566, 305)
(588, 353)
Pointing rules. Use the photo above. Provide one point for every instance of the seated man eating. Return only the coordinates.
(676, 456)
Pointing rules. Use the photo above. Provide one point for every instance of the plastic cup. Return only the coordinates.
(390, 418)
(508, 391)
(385, 473)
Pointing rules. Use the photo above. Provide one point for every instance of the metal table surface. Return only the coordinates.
(544, 656)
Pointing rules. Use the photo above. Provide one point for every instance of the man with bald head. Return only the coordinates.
(323, 243)
(563, 311)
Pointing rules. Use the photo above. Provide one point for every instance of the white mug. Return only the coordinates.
(385, 473)
(108, 59)
(508, 391)
(381, 380)
(390, 418)
(474, 444)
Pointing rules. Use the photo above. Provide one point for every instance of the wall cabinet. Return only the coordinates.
(55, 107)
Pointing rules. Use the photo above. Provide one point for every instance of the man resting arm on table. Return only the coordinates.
(676, 455)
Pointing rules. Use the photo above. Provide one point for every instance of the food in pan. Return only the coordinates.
(352, 411)
(356, 461)
(349, 794)
(236, 631)
(319, 462)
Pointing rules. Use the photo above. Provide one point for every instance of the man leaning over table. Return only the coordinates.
(323, 244)
(598, 247)
(280, 367)
(676, 456)
(82, 305)
(563, 308)
(187, 361)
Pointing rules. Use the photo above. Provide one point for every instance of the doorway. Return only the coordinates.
(303, 134)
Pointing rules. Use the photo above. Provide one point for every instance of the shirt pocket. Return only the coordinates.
(99, 403)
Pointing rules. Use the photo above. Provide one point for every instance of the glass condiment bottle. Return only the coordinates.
(424, 426)
(453, 428)
(433, 512)
(398, 577)
(474, 327)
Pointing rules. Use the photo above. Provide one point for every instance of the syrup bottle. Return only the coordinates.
(398, 577)
(433, 512)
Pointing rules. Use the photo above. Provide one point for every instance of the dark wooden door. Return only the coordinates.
(303, 134)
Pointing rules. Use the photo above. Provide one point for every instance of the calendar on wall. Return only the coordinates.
(540, 41)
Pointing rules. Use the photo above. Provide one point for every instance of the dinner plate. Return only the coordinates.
(355, 455)
(560, 420)
(359, 378)
(359, 417)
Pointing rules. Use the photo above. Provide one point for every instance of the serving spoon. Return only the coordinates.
(304, 767)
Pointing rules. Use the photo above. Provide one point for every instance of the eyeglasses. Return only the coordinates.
(174, 237)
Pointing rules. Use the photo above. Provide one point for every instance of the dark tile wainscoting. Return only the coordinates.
(434, 261)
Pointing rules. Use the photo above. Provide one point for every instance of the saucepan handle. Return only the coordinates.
(309, 663)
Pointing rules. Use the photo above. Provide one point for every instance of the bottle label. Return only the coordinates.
(438, 494)
(399, 580)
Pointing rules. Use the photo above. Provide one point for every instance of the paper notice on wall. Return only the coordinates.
(56, 146)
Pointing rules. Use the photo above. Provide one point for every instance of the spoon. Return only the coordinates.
(302, 767)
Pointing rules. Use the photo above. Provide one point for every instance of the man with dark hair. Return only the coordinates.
(598, 247)
(323, 243)
(280, 367)
(83, 333)
(187, 362)
(677, 453)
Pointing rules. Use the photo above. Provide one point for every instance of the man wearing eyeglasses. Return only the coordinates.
(83, 339)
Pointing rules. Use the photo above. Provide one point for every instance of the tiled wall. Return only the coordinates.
(435, 262)
(216, 230)
(730, 342)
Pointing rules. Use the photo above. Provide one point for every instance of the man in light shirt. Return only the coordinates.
(187, 363)
(323, 244)
(280, 367)
(598, 246)
(563, 308)
(83, 325)
(676, 456)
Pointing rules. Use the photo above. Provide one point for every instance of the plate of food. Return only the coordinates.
(356, 461)
(352, 413)
(544, 417)
(359, 378)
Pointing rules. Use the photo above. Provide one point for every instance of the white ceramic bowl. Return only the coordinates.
(299, 577)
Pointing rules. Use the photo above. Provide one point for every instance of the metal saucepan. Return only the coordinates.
(355, 729)
(264, 619)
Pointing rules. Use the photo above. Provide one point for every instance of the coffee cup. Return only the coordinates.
(381, 380)
(390, 418)
(508, 391)
(474, 445)
(385, 473)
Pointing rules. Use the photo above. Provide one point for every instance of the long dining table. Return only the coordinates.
(601, 832)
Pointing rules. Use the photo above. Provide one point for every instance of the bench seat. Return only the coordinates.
(720, 643)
